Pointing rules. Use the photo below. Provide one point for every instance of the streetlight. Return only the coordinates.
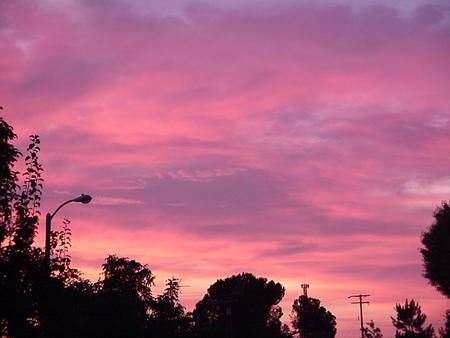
(85, 199)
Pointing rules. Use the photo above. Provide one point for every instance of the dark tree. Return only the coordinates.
(21, 266)
(444, 332)
(124, 275)
(122, 302)
(436, 253)
(371, 331)
(32, 303)
(116, 306)
(68, 298)
(241, 306)
(410, 320)
(168, 318)
(312, 320)
(8, 179)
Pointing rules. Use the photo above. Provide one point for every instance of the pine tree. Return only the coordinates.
(410, 320)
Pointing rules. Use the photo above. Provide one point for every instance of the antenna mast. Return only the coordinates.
(305, 289)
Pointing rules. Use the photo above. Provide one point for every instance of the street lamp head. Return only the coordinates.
(85, 199)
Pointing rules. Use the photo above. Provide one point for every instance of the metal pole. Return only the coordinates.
(361, 316)
(48, 226)
(48, 230)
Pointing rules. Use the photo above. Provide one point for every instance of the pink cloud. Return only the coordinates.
(300, 142)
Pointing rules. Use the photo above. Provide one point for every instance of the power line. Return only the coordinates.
(360, 302)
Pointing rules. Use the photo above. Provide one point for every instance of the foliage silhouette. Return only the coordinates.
(21, 267)
(168, 318)
(312, 320)
(122, 275)
(240, 306)
(123, 298)
(62, 304)
(8, 179)
(371, 331)
(410, 320)
(444, 332)
(436, 254)
(30, 301)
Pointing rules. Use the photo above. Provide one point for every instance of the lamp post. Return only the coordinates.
(85, 199)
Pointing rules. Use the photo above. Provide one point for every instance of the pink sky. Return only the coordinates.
(299, 141)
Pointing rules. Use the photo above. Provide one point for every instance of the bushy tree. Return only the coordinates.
(436, 251)
(122, 300)
(124, 275)
(312, 320)
(410, 321)
(240, 306)
(22, 276)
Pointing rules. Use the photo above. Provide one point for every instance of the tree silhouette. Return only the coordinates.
(410, 320)
(240, 306)
(371, 331)
(31, 303)
(8, 179)
(312, 320)
(444, 332)
(124, 275)
(436, 254)
(122, 300)
(21, 266)
(168, 318)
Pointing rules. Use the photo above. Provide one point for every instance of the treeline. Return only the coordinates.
(40, 298)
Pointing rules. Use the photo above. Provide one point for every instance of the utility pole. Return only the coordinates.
(360, 302)
(305, 289)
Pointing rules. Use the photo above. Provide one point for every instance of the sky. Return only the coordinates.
(302, 141)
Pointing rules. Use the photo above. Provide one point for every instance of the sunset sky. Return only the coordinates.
(302, 141)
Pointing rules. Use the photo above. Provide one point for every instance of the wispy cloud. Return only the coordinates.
(296, 140)
(103, 200)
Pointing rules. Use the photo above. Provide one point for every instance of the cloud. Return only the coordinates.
(436, 187)
(287, 250)
(103, 200)
(205, 175)
(294, 140)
